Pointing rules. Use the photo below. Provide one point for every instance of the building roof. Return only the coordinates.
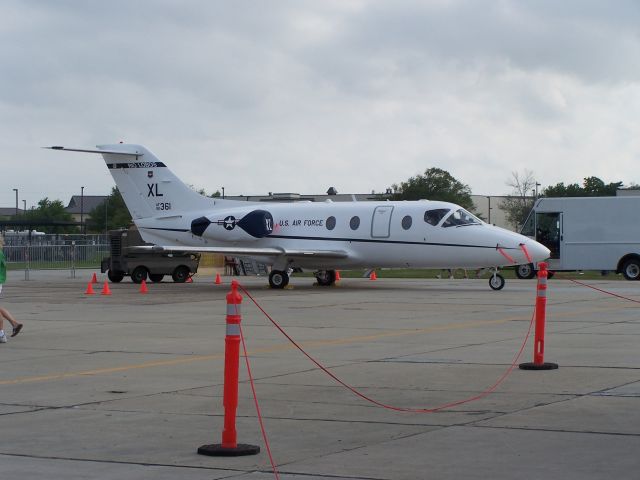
(10, 211)
(297, 197)
(84, 204)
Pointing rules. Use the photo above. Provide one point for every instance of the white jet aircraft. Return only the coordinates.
(318, 236)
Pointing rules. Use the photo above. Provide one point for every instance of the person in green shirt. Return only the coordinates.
(4, 313)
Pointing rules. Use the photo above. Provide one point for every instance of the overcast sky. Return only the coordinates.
(297, 96)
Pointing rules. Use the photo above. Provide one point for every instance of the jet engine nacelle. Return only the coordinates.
(234, 225)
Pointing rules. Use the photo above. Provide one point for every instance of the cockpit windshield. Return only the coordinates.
(460, 218)
(433, 217)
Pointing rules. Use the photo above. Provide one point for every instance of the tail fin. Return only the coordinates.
(148, 187)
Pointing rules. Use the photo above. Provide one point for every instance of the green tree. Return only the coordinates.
(435, 184)
(591, 187)
(109, 215)
(518, 205)
(50, 211)
(203, 192)
(562, 190)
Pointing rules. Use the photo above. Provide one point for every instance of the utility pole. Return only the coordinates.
(82, 229)
(16, 190)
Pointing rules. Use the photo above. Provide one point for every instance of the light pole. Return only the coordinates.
(16, 190)
(82, 210)
(489, 200)
(537, 185)
(222, 192)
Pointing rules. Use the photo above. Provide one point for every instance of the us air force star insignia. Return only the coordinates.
(229, 223)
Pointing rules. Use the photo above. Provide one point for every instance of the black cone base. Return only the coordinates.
(538, 366)
(217, 450)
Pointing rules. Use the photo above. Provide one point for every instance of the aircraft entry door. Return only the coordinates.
(381, 223)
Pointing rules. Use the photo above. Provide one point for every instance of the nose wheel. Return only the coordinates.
(496, 281)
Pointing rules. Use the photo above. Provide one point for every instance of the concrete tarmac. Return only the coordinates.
(128, 386)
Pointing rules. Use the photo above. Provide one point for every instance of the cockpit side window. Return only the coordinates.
(461, 217)
(433, 217)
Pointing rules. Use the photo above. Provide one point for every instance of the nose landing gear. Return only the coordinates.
(496, 281)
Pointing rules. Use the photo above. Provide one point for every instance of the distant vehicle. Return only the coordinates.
(586, 233)
(23, 233)
(126, 259)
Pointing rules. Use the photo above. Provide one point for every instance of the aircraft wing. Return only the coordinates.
(244, 251)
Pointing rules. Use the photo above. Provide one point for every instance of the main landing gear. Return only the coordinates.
(326, 278)
(278, 279)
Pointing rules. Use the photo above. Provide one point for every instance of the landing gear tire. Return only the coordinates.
(631, 269)
(156, 277)
(526, 271)
(496, 281)
(278, 279)
(326, 278)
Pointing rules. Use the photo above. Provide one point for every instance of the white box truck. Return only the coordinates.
(587, 233)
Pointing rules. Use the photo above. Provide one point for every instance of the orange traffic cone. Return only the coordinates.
(189, 279)
(105, 289)
(143, 287)
(94, 279)
(218, 279)
(373, 275)
(338, 276)
(90, 289)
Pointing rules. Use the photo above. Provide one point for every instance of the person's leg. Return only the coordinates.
(14, 323)
(5, 313)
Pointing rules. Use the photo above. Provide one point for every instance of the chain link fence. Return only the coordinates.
(55, 252)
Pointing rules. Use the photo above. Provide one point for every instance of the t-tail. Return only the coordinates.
(148, 187)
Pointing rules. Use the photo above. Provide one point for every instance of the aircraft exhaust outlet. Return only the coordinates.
(538, 343)
(230, 446)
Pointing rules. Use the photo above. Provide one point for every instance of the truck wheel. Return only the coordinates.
(156, 277)
(180, 274)
(631, 269)
(115, 277)
(526, 271)
(139, 274)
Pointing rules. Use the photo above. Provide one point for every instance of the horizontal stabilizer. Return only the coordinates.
(86, 150)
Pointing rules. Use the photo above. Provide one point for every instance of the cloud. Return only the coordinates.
(303, 95)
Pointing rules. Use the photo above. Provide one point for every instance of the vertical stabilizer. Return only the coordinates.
(148, 187)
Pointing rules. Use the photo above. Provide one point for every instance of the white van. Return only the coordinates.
(587, 233)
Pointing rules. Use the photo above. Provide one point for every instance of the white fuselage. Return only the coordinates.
(374, 234)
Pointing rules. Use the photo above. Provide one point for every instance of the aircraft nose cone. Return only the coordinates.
(538, 252)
